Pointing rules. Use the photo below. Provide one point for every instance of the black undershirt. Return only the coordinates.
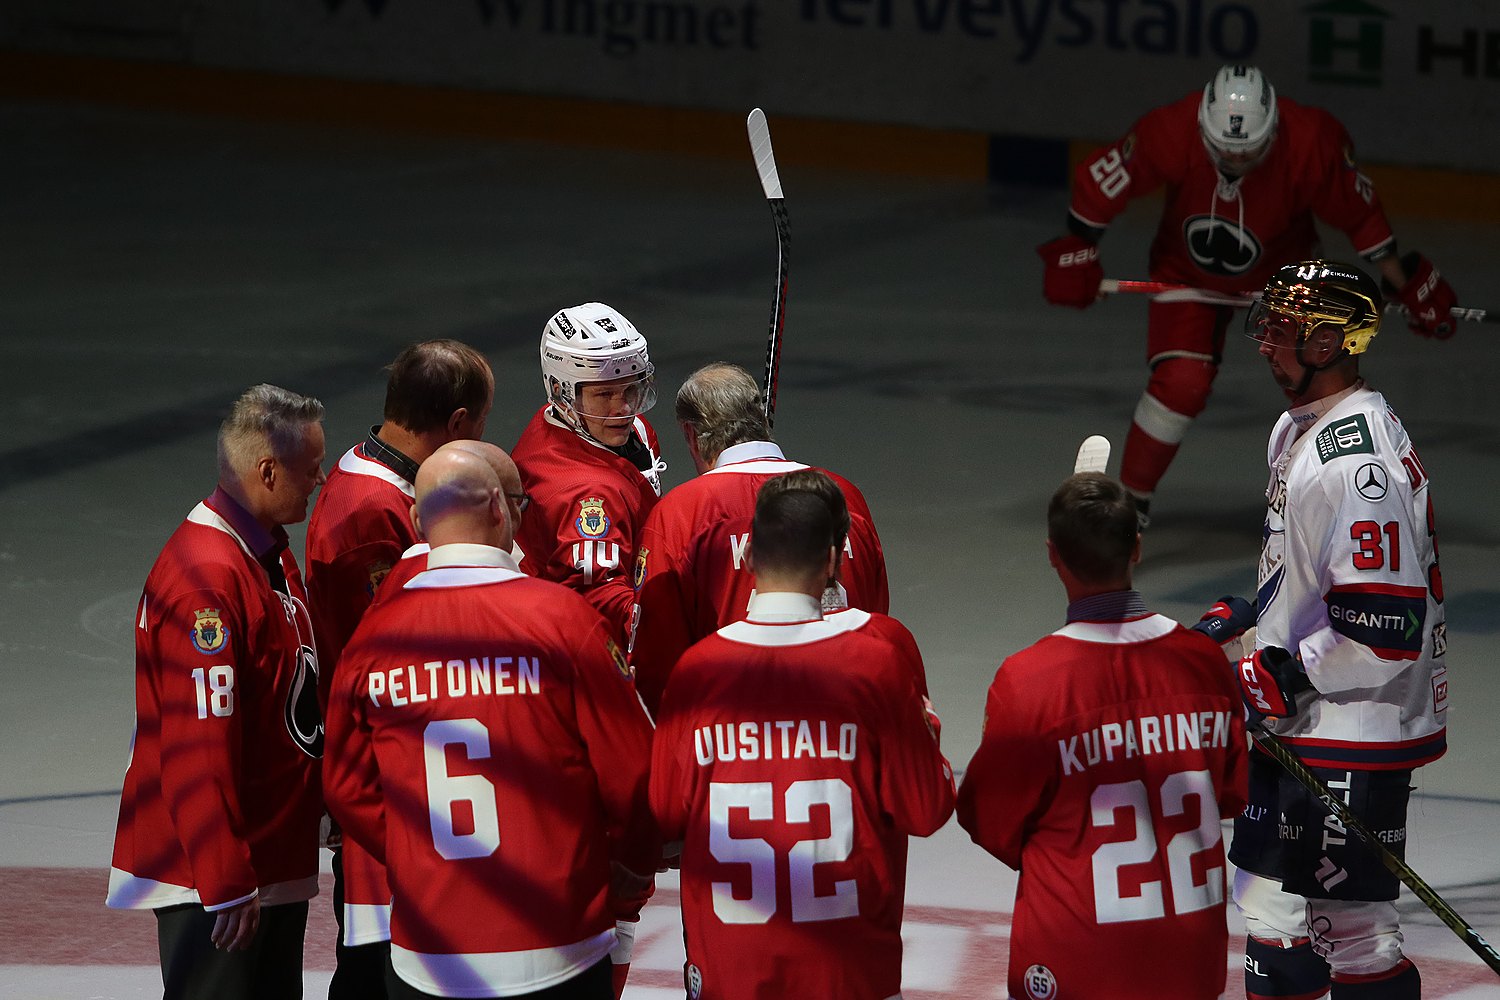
(635, 452)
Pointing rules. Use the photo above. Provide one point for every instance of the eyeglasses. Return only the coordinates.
(523, 500)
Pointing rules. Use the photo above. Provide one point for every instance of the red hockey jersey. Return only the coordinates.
(588, 506)
(1231, 238)
(358, 530)
(485, 742)
(691, 574)
(359, 527)
(1110, 752)
(221, 797)
(793, 759)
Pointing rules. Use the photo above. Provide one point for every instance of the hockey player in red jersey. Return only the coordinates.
(691, 572)
(1245, 174)
(589, 459)
(436, 391)
(218, 827)
(1111, 750)
(793, 758)
(1350, 667)
(486, 744)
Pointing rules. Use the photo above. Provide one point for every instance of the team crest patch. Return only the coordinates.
(618, 657)
(694, 983)
(592, 522)
(377, 571)
(1347, 437)
(638, 575)
(209, 634)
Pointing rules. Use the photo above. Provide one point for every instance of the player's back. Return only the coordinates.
(794, 760)
(1133, 748)
(472, 682)
(704, 529)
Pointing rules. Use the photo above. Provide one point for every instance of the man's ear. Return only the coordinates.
(416, 520)
(499, 509)
(1326, 343)
(265, 471)
(455, 420)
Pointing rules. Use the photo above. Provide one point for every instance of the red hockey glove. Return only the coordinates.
(1428, 298)
(1270, 681)
(1073, 271)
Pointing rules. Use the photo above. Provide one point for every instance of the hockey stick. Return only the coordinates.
(1093, 454)
(1166, 291)
(765, 166)
(1335, 805)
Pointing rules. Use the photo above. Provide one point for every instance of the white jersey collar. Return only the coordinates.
(355, 464)
(1142, 629)
(1307, 414)
(783, 608)
(469, 554)
(748, 451)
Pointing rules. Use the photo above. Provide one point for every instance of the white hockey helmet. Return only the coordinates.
(593, 342)
(1237, 118)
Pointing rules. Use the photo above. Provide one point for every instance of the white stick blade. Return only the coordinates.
(1093, 454)
(760, 148)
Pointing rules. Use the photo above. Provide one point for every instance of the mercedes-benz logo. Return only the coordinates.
(1371, 481)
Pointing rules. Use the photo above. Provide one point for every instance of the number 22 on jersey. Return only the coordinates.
(1127, 803)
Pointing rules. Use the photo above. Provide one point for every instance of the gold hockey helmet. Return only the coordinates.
(1318, 292)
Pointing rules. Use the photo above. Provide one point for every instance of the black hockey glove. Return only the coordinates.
(1227, 620)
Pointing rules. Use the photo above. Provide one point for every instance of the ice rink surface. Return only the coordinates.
(154, 266)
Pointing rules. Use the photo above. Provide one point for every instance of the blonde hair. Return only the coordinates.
(265, 419)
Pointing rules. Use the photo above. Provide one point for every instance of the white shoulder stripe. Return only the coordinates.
(351, 462)
(204, 514)
(1119, 633)
(795, 633)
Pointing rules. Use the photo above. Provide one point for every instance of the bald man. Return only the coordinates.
(414, 559)
(475, 698)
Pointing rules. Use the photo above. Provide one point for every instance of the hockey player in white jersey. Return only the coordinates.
(1349, 665)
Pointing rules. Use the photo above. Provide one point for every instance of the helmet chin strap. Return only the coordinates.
(1309, 370)
(569, 415)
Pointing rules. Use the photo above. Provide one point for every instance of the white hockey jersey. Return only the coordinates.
(1349, 582)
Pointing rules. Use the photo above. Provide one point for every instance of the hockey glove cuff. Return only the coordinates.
(1427, 298)
(1227, 620)
(1073, 271)
(1270, 681)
